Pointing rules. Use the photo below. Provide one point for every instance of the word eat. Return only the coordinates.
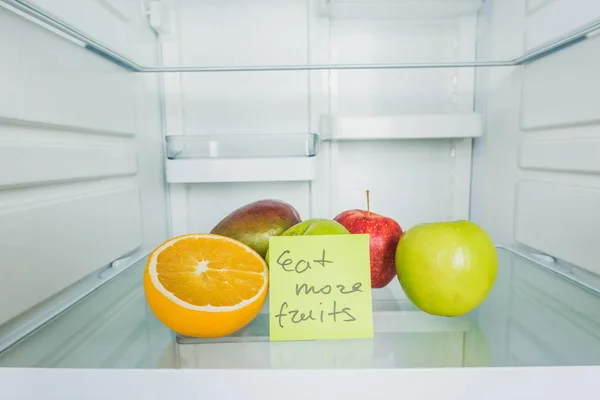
(300, 265)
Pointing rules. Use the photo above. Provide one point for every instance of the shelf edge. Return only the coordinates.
(420, 126)
(241, 170)
(66, 31)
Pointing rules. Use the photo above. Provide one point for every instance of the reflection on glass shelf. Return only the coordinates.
(242, 146)
(535, 317)
(532, 317)
(110, 328)
(404, 337)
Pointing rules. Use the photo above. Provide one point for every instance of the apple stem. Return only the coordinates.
(368, 203)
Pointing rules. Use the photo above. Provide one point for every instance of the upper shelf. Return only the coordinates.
(242, 146)
(326, 35)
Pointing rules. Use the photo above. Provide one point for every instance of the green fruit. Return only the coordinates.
(315, 226)
(446, 268)
(254, 223)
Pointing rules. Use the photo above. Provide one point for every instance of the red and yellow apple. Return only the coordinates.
(384, 234)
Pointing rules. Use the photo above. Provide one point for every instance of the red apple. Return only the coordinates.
(384, 234)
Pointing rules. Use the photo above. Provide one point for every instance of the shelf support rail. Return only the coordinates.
(34, 13)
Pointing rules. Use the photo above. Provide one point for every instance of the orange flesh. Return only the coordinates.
(210, 272)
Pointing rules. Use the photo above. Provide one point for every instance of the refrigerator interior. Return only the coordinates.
(466, 109)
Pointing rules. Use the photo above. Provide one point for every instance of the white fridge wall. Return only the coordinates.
(244, 103)
(209, 203)
(536, 177)
(495, 169)
(81, 161)
(393, 92)
(412, 181)
(242, 33)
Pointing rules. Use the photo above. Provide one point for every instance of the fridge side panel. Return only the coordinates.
(81, 182)
(536, 173)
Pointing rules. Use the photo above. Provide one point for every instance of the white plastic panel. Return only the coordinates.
(41, 155)
(47, 244)
(394, 92)
(419, 126)
(560, 220)
(245, 102)
(554, 97)
(410, 181)
(76, 193)
(533, 5)
(557, 199)
(208, 203)
(568, 154)
(241, 170)
(400, 9)
(44, 88)
(554, 18)
(250, 33)
(297, 32)
(536, 167)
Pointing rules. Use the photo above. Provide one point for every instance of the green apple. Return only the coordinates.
(315, 226)
(446, 268)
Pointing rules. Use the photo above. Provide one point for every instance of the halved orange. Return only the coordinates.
(205, 285)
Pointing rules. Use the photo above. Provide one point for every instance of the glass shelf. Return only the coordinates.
(533, 317)
(243, 46)
(241, 146)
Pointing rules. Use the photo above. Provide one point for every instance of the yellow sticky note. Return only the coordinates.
(320, 287)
